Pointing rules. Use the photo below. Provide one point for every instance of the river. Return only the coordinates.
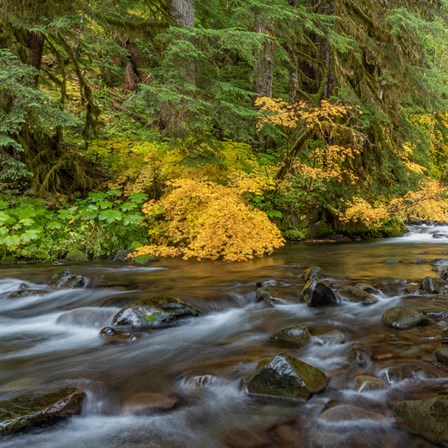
(204, 361)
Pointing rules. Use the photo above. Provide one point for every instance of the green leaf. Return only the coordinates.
(110, 216)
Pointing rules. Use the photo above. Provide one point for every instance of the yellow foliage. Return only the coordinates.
(359, 211)
(205, 220)
(426, 204)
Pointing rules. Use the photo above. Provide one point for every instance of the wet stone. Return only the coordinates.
(114, 335)
(357, 295)
(368, 288)
(344, 412)
(401, 372)
(368, 383)
(295, 334)
(287, 376)
(66, 279)
(28, 293)
(39, 409)
(426, 417)
(271, 283)
(150, 403)
(154, 312)
(266, 295)
(314, 272)
(316, 294)
(442, 355)
(403, 318)
(328, 336)
(358, 357)
(433, 285)
(85, 317)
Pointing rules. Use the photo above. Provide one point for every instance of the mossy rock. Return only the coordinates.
(426, 417)
(143, 260)
(154, 312)
(357, 295)
(442, 355)
(28, 293)
(286, 376)
(391, 228)
(403, 318)
(297, 335)
(76, 256)
(66, 279)
(39, 409)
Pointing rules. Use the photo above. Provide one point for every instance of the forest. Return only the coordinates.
(218, 129)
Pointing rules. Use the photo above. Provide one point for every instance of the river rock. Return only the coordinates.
(298, 335)
(150, 403)
(28, 293)
(368, 288)
(121, 256)
(154, 312)
(286, 376)
(314, 272)
(357, 295)
(440, 235)
(316, 293)
(368, 383)
(115, 335)
(255, 437)
(426, 417)
(39, 409)
(66, 279)
(271, 283)
(143, 260)
(403, 318)
(359, 357)
(442, 355)
(328, 336)
(345, 412)
(266, 295)
(433, 285)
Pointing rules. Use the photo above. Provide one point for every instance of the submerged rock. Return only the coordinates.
(295, 334)
(150, 403)
(368, 383)
(66, 279)
(345, 412)
(328, 336)
(357, 295)
(114, 335)
(359, 357)
(317, 293)
(85, 317)
(426, 417)
(28, 293)
(39, 409)
(403, 318)
(287, 376)
(142, 260)
(154, 312)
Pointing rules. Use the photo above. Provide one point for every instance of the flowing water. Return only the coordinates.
(53, 340)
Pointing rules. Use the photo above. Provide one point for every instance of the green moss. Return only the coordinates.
(145, 259)
(391, 228)
(76, 256)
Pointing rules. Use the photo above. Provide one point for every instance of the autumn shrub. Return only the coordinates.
(204, 220)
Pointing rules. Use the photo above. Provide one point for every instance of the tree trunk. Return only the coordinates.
(264, 62)
(183, 12)
(35, 45)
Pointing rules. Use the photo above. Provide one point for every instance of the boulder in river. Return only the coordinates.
(433, 285)
(28, 293)
(266, 295)
(403, 318)
(442, 355)
(316, 293)
(286, 376)
(297, 335)
(426, 417)
(115, 335)
(39, 409)
(66, 279)
(154, 312)
(357, 295)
